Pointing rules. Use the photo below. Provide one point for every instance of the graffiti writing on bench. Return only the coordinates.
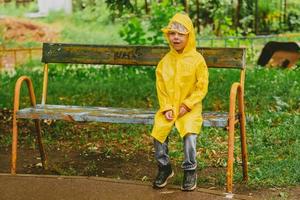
(127, 55)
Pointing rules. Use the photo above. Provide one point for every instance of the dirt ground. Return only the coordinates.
(140, 166)
(17, 31)
(21, 30)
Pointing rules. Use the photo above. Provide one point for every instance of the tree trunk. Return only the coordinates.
(135, 6)
(256, 17)
(238, 14)
(280, 15)
(146, 7)
(186, 6)
(233, 13)
(284, 12)
(198, 16)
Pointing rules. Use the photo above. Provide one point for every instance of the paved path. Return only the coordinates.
(45, 187)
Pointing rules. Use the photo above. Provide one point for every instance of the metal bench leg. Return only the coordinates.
(40, 143)
(14, 146)
(243, 137)
(244, 149)
(230, 155)
(231, 123)
(236, 88)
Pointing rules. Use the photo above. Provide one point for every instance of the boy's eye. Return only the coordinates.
(172, 33)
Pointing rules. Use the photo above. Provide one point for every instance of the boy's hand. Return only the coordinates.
(183, 109)
(169, 115)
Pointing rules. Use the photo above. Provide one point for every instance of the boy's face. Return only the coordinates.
(178, 40)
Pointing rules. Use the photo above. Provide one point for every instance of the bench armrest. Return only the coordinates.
(16, 108)
(236, 89)
(18, 90)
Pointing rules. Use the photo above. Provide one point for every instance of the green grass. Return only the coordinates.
(272, 107)
(274, 143)
(80, 27)
(266, 90)
(11, 9)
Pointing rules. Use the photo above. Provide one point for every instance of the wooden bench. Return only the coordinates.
(227, 58)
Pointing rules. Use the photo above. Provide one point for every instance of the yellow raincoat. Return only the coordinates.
(180, 79)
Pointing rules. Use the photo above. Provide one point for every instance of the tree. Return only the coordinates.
(238, 14)
(146, 7)
(198, 16)
(117, 7)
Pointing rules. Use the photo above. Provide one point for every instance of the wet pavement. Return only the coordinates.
(44, 187)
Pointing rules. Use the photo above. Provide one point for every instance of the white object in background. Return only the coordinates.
(46, 6)
(56, 5)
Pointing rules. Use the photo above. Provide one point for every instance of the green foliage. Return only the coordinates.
(218, 16)
(133, 32)
(101, 10)
(11, 9)
(246, 23)
(118, 7)
(92, 11)
(293, 20)
(136, 31)
(222, 21)
(86, 26)
(159, 18)
(269, 17)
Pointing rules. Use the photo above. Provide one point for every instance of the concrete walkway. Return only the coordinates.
(44, 187)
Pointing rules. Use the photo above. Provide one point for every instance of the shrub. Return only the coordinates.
(139, 31)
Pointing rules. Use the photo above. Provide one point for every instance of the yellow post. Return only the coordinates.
(243, 127)
(45, 84)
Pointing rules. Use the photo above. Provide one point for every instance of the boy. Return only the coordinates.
(181, 83)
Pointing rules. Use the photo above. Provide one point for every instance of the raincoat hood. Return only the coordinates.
(184, 20)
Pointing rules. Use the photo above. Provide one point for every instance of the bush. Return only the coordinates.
(132, 32)
(293, 20)
(139, 31)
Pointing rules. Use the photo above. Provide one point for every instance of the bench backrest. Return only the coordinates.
(228, 58)
(134, 55)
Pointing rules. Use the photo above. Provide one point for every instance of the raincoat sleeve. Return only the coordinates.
(163, 98)
(201, 86)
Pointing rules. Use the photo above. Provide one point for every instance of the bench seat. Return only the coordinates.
(108, 114)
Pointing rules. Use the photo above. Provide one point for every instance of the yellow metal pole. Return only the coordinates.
(243, 127)
(15, 56)
(242, 78)
(45, 84)
(231, 123)
(30, 54)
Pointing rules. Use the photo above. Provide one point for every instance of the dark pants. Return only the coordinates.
(189, 149)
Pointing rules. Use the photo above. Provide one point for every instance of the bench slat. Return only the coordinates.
(107, 114)
(134, 55)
